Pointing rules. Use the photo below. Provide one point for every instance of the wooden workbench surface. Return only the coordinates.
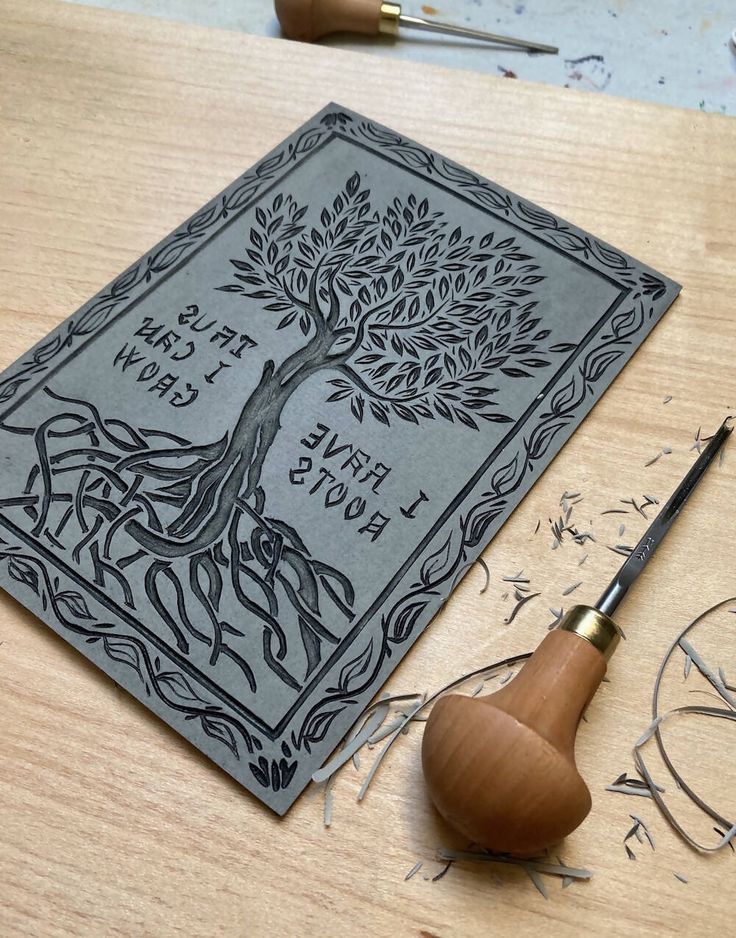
(112, 130)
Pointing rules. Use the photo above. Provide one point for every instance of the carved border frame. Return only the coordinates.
(260, 759)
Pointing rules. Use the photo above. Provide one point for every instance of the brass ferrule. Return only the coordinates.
(594, 626)
(388, 22)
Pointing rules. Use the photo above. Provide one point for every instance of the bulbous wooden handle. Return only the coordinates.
(501, 769)
(308, 20)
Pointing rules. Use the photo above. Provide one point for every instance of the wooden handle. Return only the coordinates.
(501, 769)
(308, 20)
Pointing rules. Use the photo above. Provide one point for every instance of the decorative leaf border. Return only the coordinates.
(156, 680)
(433, 574)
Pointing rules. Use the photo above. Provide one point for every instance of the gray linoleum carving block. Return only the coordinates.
(244, 476)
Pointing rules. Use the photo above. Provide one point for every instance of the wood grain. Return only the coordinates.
(113, 129)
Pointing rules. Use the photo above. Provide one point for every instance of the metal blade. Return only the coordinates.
(465, 32)
(656, 531)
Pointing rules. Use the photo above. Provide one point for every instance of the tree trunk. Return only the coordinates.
(208, 509)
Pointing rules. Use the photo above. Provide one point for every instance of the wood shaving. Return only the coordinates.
(641, 826)
(442, 872)
(487, 572)
(624, 790)
(420, 702)
(329, 798)
(356, 742)
(539, 866)
(522, 602)
(721, 834)
(414, 870)
(713, 679)
(637, 784)
(621, 549)
(566, 880)
(571, 589)
(537, 880)
(728, 831)
(382, 754)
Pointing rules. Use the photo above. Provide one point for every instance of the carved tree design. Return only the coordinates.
(411, 319)
(414, 317)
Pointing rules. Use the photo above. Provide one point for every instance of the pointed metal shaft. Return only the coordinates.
(655, 533)
(415, 22)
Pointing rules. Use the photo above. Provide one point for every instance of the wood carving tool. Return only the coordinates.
(308, 20)
(501, 769)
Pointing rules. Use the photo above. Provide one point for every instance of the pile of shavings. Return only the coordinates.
(391, 716)
(645, 785)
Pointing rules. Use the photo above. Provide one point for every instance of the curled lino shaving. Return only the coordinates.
(654, 731)
(538, 865)
(481, 562)
(353, 745)
(522, 601)
(419, 703)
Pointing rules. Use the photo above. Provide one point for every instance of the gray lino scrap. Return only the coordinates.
(244, 476)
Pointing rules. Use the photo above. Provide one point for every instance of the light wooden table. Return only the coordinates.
(114, 128)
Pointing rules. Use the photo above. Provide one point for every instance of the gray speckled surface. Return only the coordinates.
(669, 51)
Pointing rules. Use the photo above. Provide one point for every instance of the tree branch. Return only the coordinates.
(293, 298)
(366, 388)
(396, 327)
(334, 313)
(315, 311)
(364, 326)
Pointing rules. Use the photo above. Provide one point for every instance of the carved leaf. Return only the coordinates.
(124, 652)
(260, 771)
(220, 731)
(8, 389)
(179, 686)
(355, 668)
(406, 620)
(504, 476)
(75, 603)
(47, 351)
(319, 725)
(436, 562)
(23, 572)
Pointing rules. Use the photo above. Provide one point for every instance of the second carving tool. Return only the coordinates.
(308, 20)
(501, 769)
